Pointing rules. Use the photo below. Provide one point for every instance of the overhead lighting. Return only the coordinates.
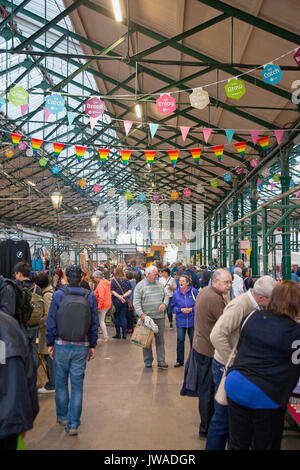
(138, 111)
(117, 10)
(94, 220)
(56, 199)
(76, 208)
(31, 183)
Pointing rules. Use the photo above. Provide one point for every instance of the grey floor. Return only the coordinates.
(127, 407)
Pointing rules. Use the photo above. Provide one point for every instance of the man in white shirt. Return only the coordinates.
(170, 285)
(238, 283)
(224, 337)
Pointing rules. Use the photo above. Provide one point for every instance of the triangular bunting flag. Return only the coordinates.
(173, 154)
(153, 129)
(46, 114)
(24, 108)
(219, 151)
(184, 131)
(15, 139)
(125, 154)
(36, 144)
(249, 251)
(229, 134)
(71, 117)
(259, 181)
(254, 134)
(196, 154)
(2, 101)
(278, 134)
(57, 148)
(80, 151)
(93, 121)
(150, 155)
(103, 154)
(264, 143)
(206, 133)
(127, 125)
(241, 147)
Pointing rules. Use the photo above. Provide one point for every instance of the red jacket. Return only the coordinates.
(103, 294)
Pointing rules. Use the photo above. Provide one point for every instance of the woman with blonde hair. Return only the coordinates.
(120, 290)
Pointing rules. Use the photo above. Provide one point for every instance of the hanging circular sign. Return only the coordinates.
(156, 197)
(55, 103)
(265, 172)
(276, 178)
(271, 74)
(214, 183)
(227, 177)
(82, 183)
(199, 188)
(142, 197)
(174, 195)
(235, 89)
(9, 153)
(18, 96)
(94, 107)
(97, 188)
(43, 161)
(199, 98)
(22, 146)
(128, 196)
(55, 169)
(239, 170)
(187, 192)
(254, 162)
(111, 192)
(165, 104)
(297, 57)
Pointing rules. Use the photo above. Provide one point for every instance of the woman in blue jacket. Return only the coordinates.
(183, 304)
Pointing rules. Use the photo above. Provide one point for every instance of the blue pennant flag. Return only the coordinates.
(153, 129)
(71, 117)
(229, 134)
(2, 101)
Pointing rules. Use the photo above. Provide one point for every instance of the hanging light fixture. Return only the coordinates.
(117, 10)
(138, 111)
(56, 199)
(94, 220)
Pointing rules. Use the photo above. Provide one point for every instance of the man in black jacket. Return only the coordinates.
(18, 394)
(7, 297)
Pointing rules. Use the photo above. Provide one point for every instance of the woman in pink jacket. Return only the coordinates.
(103, 296)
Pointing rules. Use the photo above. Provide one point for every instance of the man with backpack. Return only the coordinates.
(72, 333)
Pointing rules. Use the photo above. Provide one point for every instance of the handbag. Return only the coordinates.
(129, 301)
(220, 395)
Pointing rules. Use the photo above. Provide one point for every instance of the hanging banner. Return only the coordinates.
(264, 143)
(153, 129)
(43, 161)
(150, 155)
(24, 108)
(297, 57)
(125, 154)
(227, 177)
(103, 154)
(36, 144)
(254, 162)
(196, 154)
(241, 148)
(206, 133)
(57, 148)
(94, 108)
(165, 104)
(271, 74)
(218, 150)
(254, 134)
(229, 134)
(174, 195)
(239, 170)
(199, 98)
(15, 139)
(184, 132)
(156, 197)
(71, 117)
(80, 151)
(127, 125)
(214, 183)
(235, 89)
(173, 154)
(142, 197)
(55, 169)
(18, 96)
(96, 188)
(55, 103)
(187, 192)
(278, 134)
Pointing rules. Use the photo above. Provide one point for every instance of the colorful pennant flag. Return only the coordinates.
(153, 129)
(46, 114)
(150, 155)
(219, 151)
(127, 125)
(80, 151)
(173, 154)
(196, 154)
(264, 143)
(241, 148)
(249, 251)
(184, 131)
(229, 134)
(71, 117)
(15, 139)
(103, 154)
(36, 144)
(125, 154)
(206, 133)
(2, 101)
(254, 134)
(278, 134)
(57, 148)
(24, 108)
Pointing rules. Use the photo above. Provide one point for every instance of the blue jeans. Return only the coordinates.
(206, 390)
(120, 319)
(218, 432)
(180, 341)
(169, 311)
(69, 360)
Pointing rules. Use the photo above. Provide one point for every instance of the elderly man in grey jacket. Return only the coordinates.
(150, 299)
(224, 336)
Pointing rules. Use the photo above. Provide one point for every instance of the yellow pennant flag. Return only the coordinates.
(249, 251)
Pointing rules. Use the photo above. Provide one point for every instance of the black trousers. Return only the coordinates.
(9, 443)
(260, 429)
(206, 390)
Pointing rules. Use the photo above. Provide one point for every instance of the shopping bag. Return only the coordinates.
(20, 443)
(142, 337)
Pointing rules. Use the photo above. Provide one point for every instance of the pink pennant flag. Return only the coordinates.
(24, 108)
(272, 185)
(127, 125)
(254, 134)
(297, 194)
(93, 121)
(184, 131)
(278, 134)
(206, 133)
(259, 181)
(46, 114)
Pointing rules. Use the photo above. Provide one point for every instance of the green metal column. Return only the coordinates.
(236, 253)
(264, 241)
(215, 230)
(224, 259)
(254, 253)
(285, 180)
(209, 241)
(205, 245)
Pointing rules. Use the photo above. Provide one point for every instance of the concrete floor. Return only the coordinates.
(126, 406)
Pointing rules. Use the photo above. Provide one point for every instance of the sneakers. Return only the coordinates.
(45, 390)
(162, 365)
(116, 337)
(202, 435)
(171, 326)
(61, 421)
(148, 365)
(72, 432)
(178, 364)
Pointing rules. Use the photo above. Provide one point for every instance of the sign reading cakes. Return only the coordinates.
(165, 104)
(235, 89)
(94, 107)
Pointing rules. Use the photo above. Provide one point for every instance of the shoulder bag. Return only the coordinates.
(129, 301)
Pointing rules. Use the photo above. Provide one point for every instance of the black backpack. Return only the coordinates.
(24, 307)
(73, 319)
